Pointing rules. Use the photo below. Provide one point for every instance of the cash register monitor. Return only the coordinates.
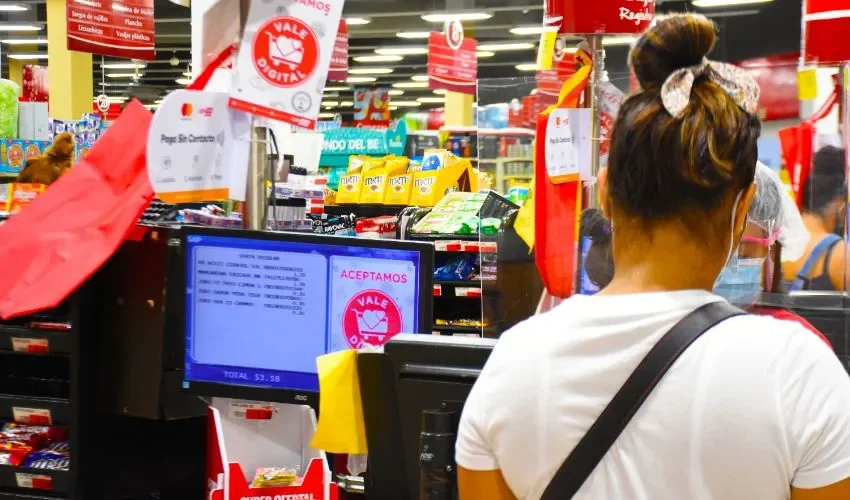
(414, 374)
(261, 306)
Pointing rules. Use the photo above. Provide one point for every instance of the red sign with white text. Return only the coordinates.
(825, 27)
(339, 59)
(452, 69)
(550, 81)
(120, 28)
(611, 17)
(777, 77)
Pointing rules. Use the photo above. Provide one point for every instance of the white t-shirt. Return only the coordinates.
(753, 406)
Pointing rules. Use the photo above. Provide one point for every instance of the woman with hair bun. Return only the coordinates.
(756, 408)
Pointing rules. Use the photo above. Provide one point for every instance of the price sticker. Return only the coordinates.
(32, 416)
(807, 84)
(35, 481)
(250, 411)
(33, 346)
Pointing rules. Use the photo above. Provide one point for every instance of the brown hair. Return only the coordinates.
(663, 167)
(52, 165)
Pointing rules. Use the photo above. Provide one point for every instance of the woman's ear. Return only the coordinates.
(602, 192)
(744, 202)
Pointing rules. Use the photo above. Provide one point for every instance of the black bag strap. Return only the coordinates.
(604, 432)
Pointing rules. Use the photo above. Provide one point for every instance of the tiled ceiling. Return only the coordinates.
(746, 31)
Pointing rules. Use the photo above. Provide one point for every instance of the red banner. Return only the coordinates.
(549, 81)
(825, 27)
(777, 77)
(35, 83)
(339, 59)
(580, 17)
(120, 28)
(453, 68)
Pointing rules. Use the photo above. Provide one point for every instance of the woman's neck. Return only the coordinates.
(814, 223)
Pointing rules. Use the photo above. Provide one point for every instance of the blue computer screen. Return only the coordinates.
(259, 311)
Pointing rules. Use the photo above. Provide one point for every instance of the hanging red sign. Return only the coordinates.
(549, 81)
(120, 28)
(777, 77)
(825, 24)
(609, 17)
(339, 57)
(452, 64)
(35, 83)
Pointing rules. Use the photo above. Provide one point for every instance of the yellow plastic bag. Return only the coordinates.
(340, 428)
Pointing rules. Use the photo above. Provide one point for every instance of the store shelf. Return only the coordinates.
(506, 160)
(364, 211)
(449, 330)
(35, 340)
(6, 495)
(59, 410)
(466, 288)
(518, 176)
(38, 483)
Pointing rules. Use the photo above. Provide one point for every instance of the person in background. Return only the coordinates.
(47, 169)
(756, 409)
(824, 201)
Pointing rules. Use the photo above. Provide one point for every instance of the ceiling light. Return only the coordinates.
(326, 115)
(15, 7)
(182, 81)
(346, 104)
(420, 78)
(401, 51)
(527, 67)
(495, 47)
(151, 107)
(19, 27)
(361, 79)
(413, 34)
(431, 100)
(335, 89)
(370, 71)
(396, 92)
(484, 53)
(27, 57)
(618, 40)
(406, 104)
(393, 108)
(725, 3)
(441, 17)
(357, 21)
(25, 41)
(187, 74)
(531, 30)
(411, 85)
(121, 75)
(330, 103)
(440, 91)
(123, 66)
(378, 58)
(114, 98)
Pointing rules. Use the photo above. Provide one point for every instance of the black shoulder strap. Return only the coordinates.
(604, 432)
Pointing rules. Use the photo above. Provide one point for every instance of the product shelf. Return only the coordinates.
(35, 410)
(25, 340)
(43, 483)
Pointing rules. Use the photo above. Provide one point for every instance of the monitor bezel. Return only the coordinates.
(294, 396)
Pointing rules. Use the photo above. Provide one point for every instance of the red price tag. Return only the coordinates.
(36, 481)
(42, 483)
(438, 291)
(258, 414)
(39, 420)
(33, 346)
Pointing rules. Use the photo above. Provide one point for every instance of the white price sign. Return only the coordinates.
(284, 59)
(568, 144)
(196, 147)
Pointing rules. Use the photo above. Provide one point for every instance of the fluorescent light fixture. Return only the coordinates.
(393, 108)
(619, 40)
(413, 34)
(326, 115)
(182, 81)
(370, 71)
(378, 58)
(15, 7)
(122, 75)
(531, 30)
(725, 3)
(25, 41)
(484, 53)
(496, 47)
(114, 98)
(123, 66)
(335, 89)
(361, 79)
(527, 67)
(401, 51)
(330, 103)
(440, 91)
(27, 57)
(396, 92)
(151, 107)
(441, 17)
(346, 104)
(411, 85)
(357, 21)
(187, 74)
(419, 78)
(19, 27)
(431, 100)
(406, 104)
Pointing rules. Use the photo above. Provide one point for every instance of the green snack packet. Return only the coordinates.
(490, 225)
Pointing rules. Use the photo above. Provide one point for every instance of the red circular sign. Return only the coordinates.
(285, 51)
(454, 34)
(371, 317)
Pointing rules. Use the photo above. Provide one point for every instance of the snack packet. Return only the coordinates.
(274, 476)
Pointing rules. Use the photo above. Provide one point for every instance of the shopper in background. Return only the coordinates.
(47, 169)
(824, 213)
(757, 408)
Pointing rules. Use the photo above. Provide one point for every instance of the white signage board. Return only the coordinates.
(284, 59)
(567, 145)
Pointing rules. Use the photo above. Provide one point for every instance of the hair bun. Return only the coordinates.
(62, 147)
(676, 42)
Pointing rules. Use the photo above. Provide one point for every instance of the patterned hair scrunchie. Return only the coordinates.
(741, 87)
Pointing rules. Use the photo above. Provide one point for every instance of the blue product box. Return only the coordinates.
(15, 152)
